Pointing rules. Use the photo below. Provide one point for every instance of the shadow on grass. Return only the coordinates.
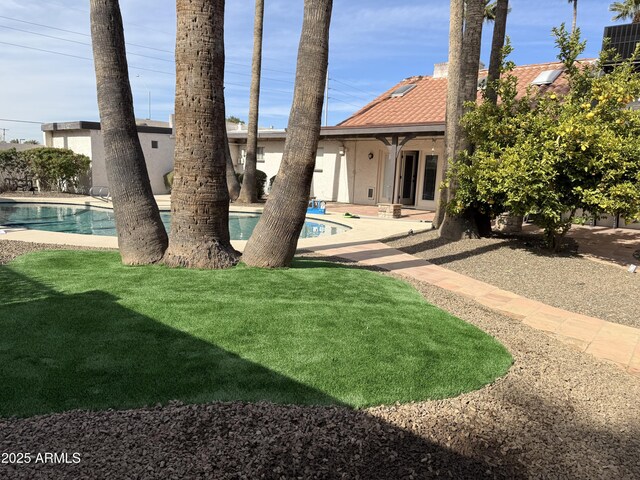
(55, 357)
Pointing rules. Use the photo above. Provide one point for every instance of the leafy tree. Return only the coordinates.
(234, 119)
(274, 240)
(142, 238)
(247, 193)
(32, 142)
(199, 235)
(628, 9)
(552, 156)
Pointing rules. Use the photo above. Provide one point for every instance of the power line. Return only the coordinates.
(19, 121)
(369, 94)
(80, 33)
(81, 43)
(347, 103)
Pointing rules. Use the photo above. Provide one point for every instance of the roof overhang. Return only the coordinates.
(82, 125)
(344, 133)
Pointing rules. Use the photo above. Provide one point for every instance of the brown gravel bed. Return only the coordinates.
(558, 413)
(521, 266)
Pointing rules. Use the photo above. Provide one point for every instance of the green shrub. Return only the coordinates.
(14, 164)
(56, 168)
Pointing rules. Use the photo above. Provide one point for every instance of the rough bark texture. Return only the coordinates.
(275, 238)
(142, 238)
(497, 43)
(454, 105)
(248, 192)
(455, 227)
(199, 235)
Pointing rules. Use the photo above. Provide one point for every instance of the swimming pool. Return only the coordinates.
(100, 221)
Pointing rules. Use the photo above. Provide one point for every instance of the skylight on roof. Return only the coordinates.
(399, 92)
(547, 77)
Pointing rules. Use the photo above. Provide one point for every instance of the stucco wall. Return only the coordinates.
(89, 142)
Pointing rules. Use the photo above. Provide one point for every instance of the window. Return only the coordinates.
(401, 91)
(319, 160)
(370, 192)
(260, 154)
(154, 144)
(430, 172)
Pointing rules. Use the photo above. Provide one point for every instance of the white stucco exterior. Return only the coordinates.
(86, 138)
(348, 169)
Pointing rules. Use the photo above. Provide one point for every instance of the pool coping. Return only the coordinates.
(361, 229)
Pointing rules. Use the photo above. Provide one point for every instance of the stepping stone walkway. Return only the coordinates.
(613, 342)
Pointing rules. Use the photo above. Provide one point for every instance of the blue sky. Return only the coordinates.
(374, 45)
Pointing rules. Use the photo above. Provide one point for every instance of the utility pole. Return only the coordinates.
(4, 133)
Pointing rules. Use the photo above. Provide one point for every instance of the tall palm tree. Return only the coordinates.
(248, 191)
(233, 186)
(142, 238)
(454, 104)
(500, 13)
(574, 23)
(628, 9)
(199, 235)
(275, 238)
(465, 225)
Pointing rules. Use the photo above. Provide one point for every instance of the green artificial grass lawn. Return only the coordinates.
(80, 330)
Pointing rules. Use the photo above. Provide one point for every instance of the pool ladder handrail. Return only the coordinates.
(102, 193)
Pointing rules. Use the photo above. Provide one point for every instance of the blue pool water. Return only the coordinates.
(100, 221)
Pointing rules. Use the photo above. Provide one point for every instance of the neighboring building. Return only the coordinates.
(85, 137)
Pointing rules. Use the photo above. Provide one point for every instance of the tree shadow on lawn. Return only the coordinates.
(529, 242)
(55, 358)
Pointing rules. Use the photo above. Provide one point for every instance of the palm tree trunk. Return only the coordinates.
(142, 238)
(455, 227)
(454, 105)
(275, 238)
(199, 235)
(248, 192)
(574, 24)
(233, 186)
(497, 43)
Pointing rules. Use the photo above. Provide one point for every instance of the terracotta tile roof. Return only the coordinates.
(426, 103)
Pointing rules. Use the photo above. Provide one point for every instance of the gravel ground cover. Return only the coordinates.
(520, 265)
(557, 414)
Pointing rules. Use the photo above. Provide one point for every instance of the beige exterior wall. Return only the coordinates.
(345, 173)
(89, 142)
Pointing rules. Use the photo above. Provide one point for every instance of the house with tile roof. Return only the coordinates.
(391, 150)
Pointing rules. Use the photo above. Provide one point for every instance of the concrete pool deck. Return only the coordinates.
(361, 229)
